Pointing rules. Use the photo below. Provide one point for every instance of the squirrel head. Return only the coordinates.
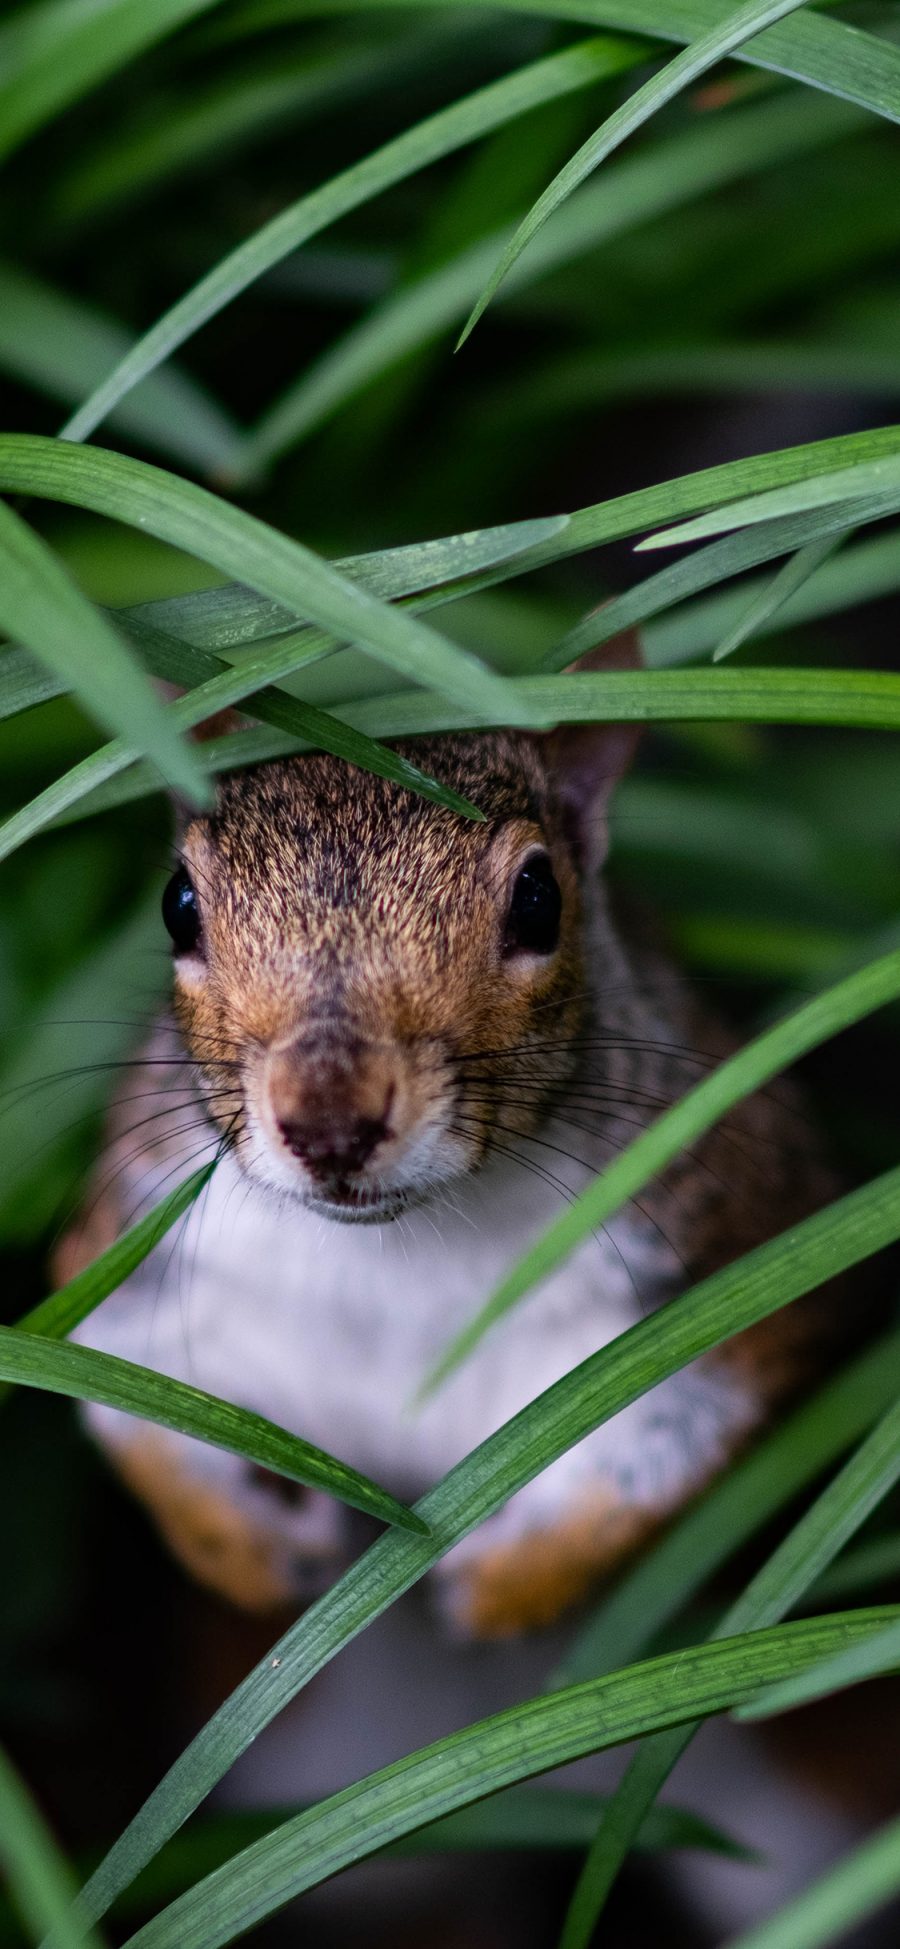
(374, 989)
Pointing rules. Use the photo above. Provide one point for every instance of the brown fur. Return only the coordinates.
(352, 966)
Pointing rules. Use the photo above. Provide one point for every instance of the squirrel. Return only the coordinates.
(409, 1036)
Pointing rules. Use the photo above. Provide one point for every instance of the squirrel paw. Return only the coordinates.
(513, 1575)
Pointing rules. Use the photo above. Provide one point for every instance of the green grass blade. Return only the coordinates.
(233, 617)
(716, 563)
(52, 53)
(191, 518)
(689, 164)
(881, 477)
(860, 1884)
(739, 1076)
(867, 699)
(748, 20)
(43, 608)
(826, 53)
(483, 1758)
(865, 571)
(517, 1820)
(29, 1360)
(64, 1309)
(317, 728)
(790, 577)
(189, 128)
(451, 128)
(811, 1545)
(871, 1659)
(730, 1301)
(63, 346)
(657, 1588)
(40, 1882)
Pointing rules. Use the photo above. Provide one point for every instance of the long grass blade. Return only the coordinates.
(190, 518)
(43, 608)
(748, 20)
(808, 1549)
(451, 128)
(859, 1885)
(30, 1360)
(871, 1659)
(40, 1882)
(458, 1770)
(850, 1001)
(732, 1300)
(62, 346)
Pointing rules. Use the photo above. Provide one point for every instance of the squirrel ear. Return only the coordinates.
(586, 761)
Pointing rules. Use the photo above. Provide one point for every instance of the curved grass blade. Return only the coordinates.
(40, 1882)
(62, 346)
(788, 580)
(64, 1309)
(483, 1758)
(233, 617)
(859, 1885)
(718, 562)
(42, 608)
(451, 128)
(29, 1360)
(872, 1659)
(689, 164)
(881, 477)
(750, 19)
(826, 53)
(867, 699)
(810, 1546)
(739, 1076)
(192, 519)
(319, 729)
(518, 1819)
(656, 1589)
(730, 1301)
(53, 53)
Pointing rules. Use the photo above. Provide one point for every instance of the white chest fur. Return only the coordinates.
(330, 1328)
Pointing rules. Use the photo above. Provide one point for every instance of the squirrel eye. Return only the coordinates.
(532, 924)
(181, 912)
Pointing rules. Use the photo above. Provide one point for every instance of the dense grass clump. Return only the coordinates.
(241, 239)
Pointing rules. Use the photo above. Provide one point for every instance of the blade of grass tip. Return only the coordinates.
(40, 1882)
(198, 522)
(871, 1659)
(859, 1885)
(847, 1002)
(880, 476)
(62, 346)
(860, 1224)
(790, 577)
(64, 1309)
(41, 607)
(439, 135)
(740, 1503)
(727, 35)
(716, 563)
(83, 1374)
(468, 1765)
(806, 1551)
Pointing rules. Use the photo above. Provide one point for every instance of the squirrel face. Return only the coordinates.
(375, 990)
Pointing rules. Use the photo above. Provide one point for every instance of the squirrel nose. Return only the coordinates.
(335, 1149)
